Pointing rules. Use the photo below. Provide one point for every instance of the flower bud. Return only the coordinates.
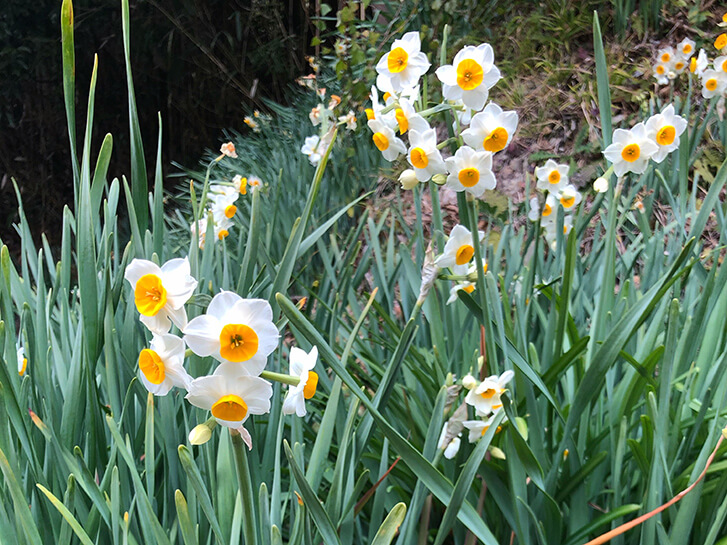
(469, 382)
(600, 185)
(439, 179)
(202, 433)
(408, 179)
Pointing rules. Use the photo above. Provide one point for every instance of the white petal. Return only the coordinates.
(157, 324)
(202, 335)
(138, 268)
(447, 74)
(222, 303)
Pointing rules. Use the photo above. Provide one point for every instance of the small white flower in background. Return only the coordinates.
(665, 129)
(666, 55)
(386, 141)
(161, 366)
(220, 228)
(700, 64)
(222, 203)
(470, 171)
(552, 176)
(458, 250)
(250, 122)
(22, 361)
(534, 211)
(491, 129)
(200, 229)
(315, 115)
(301, 366)
(451, 448)
(240, 184)
(713, 83)
(231, 397)
(478, 428)
(466, 286)
(423, 154)
(334, 102)
(630, 150)
(660, 73)
(310, 148)
(569, 197)
(680, 65)
(685, 48)
(407, 118)
(340, 47)
(389, 118)
(485, 398)
(550, 205)
(349, 120)
(254, 183)
(228, 149)
(403, 65)
(470, 76)
(600, 185)
(551, 236)
(161, 292)
(408, 179)
(236, 330)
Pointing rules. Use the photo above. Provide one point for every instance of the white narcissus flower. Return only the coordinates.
(22, 361)
(161, 366)
(466, 286)
(458, 250)
(228, 149)
(349, 120)
(713, 83)
(385, 140)
(630, 150)
(408, 179)
(470, 171)
(485, 398)
(310, 148)
(478, 428)
(389, 118)
(680, 64)
(551, 236)
(403, 65)
(160, 292)
(222, 202)
(452, 447)
(301, 366)
(666, 55)
(569, 197)
(699, 65)
(407, 118)
(549, 207)
(665, 129)
(231, 397)
(235, 330)
(491, 129)
(720, 64)
(315, 115)
(534, 212)
(660, 73)
(423, 154)
(552, 176)
(240, 184)
(255, 183)
(686, 48)
(470, 76)
(600, 185)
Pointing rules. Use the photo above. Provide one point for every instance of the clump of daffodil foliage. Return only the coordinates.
(253, 369)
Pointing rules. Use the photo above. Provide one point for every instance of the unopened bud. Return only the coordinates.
(469, 382)
(408, 179)
(600, 185)
(439, 179)
(202, 433)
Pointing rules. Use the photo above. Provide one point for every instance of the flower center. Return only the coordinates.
(547, 210)
(230, 210)
(693, 65)
(489, 393)
(398, 59)
(469, 289)
(469, 177)
(721, 41)
(567, 201)
(631, 153)
(238, 342)
(679, 65)
(152, 366)
(223, 233)
(711, 84)
(665, 57)
(660, 70)
(666, 135)
(387, 96)
(464, 254)
(23, 367)
(149, 295)
(469, 74)
(381, 141)
(496, 140)
(230, 407)
(554, 177)
(402, 120)
(419, 158)
(687, 48)
(310, 385)
(370, 114)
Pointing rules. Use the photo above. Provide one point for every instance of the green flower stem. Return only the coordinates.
(246, 494)
(281, 377)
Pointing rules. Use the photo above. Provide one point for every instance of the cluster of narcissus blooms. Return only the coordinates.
(712, 74)
(552, 180)
(221, 201)
(239, 334)
(465, 87)
(485, 398)
(323, 116)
